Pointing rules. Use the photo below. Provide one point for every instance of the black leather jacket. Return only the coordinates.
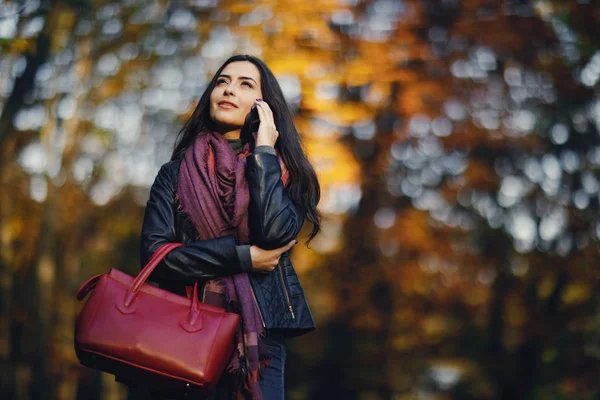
(274, 221)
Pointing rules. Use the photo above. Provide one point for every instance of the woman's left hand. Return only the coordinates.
(267, 131)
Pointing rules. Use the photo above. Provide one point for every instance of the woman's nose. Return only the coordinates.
(228, 90)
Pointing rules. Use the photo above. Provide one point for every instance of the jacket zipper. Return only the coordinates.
(257, 306)
(287, 295)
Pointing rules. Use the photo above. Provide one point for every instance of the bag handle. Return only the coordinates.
(193, 323)
(156, 258)
(162, 251)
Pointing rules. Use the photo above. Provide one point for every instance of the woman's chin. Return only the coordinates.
(226, 120)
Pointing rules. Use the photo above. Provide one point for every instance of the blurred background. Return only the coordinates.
(458, 149)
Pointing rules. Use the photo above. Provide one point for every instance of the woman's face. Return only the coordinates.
(237, 89)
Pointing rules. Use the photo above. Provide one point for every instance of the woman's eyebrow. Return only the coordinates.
(241, 77)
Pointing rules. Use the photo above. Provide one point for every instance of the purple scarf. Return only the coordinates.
(213, 193)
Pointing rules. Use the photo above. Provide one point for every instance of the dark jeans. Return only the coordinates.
(271, 385)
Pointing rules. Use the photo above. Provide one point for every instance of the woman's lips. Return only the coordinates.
(226, 104)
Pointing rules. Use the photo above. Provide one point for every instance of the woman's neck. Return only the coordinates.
(235, 134)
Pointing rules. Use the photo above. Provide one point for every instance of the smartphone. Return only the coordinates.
(250, 125)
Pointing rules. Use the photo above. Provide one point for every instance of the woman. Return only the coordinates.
(237, 204)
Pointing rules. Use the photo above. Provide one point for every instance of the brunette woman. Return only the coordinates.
(237, 199)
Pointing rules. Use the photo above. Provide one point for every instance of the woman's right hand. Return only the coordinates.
(265, 261)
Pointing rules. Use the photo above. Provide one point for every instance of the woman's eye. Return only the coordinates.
(247, 84)
(220, 81)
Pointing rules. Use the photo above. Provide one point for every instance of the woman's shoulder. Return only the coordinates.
(167, 175)
(170, 169)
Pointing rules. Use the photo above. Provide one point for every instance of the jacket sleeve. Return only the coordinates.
(274, 219)
(200, 259)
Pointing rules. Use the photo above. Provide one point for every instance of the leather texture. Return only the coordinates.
(145, 334)
(273, 301)
(274, 220)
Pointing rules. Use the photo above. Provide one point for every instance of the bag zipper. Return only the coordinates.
(287, 295)
(257, 306)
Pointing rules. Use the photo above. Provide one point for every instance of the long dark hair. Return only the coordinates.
(303, 189)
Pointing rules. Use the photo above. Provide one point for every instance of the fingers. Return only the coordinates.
(288, 246)
(265, 261)
(265, 113)
(267, 119)
(278, 252)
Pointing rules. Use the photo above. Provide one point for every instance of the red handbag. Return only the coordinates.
(144, 334)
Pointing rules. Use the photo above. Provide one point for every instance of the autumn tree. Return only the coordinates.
(477, 225)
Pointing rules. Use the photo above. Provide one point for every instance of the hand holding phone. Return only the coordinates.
(267, 134)
(250, 125)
